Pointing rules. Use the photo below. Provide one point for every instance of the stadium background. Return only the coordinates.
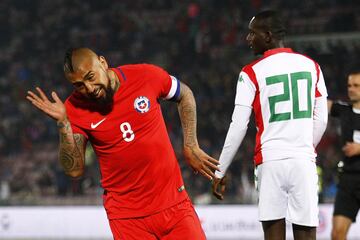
(202, 42)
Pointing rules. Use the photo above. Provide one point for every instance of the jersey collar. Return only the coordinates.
(356, 110)
(277, 50)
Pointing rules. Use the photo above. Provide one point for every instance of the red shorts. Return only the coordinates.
(179, 222)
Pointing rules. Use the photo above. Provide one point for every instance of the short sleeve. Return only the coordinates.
(165, 85)
(78, 130)
(72, 117)
(245, 90)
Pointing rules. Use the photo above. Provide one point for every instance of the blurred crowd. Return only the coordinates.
(202, 42)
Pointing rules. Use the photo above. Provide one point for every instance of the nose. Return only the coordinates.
(89, 87)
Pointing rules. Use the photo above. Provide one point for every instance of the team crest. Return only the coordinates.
(142, 104)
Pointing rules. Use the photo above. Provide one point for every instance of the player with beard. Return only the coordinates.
(118, 111)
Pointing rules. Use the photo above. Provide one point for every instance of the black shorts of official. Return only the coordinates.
(347, 201)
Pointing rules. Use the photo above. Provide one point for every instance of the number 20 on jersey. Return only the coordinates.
(288, 91)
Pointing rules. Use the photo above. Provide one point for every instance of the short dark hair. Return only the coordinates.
(68, 66)
(272, 21)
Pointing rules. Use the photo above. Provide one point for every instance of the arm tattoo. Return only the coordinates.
(72, 149)
(187, 113)
(64, 131)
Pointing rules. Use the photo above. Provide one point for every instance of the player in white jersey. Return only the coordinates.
(286, 91)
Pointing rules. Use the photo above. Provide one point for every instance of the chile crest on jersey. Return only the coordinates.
(142, 104)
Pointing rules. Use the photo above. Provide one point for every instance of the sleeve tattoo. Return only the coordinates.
(72, 149)
(187, 112)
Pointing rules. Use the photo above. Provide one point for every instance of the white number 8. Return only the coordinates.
(128, 134)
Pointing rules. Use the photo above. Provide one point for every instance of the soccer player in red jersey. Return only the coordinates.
(118, 111)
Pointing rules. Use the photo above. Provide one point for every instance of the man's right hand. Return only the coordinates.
(55, 110)
(218, 187)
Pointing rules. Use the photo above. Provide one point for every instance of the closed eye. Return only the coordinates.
(78, 85)
(90, 77)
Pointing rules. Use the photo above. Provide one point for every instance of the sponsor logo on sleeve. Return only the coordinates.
(241, 78)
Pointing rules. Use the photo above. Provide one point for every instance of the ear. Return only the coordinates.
(103, 62)
(268, 36)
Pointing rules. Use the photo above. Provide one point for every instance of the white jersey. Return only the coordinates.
(281, 87)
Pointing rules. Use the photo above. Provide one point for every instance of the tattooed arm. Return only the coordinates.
(197, 158)
(71, 150)
(72, 146)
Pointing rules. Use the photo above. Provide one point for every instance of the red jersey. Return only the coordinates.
(139, 169)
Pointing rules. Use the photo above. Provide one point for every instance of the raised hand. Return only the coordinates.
(55, 109)
(200, 162)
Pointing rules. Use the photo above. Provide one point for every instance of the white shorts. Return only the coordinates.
(288, 188)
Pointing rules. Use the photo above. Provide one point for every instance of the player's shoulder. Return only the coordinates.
(248, 68)
(77, 104)
(268, 55)
(73, 102)
(254, 62)
(305, 56)
(138, 66)
(287, 55)
(131, 68)
(141, 69)
(342, 104)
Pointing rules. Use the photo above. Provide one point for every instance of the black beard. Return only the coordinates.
(104, 104)
(108, 99)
